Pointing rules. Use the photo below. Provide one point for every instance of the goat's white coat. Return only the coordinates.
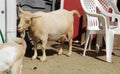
(11, 57)
(7, 52)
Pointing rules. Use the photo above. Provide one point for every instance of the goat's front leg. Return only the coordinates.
(44, 42)
(62, 45)
(22, 34)
(35, 51)
(43, 58)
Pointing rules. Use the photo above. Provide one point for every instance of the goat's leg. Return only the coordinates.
(22, 34)
(70, 35)
(44, 42)
(61, 49)
(35, 51)
(43, 58)
(70, 47)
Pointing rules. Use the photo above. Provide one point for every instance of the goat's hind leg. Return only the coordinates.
(62, 46)
(70, 35)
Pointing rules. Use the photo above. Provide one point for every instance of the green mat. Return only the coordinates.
(3, 40)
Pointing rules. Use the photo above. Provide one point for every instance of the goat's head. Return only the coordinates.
(25, 18)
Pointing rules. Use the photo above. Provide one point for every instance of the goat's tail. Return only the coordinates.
(76, 12)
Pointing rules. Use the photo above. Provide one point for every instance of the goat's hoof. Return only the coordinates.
(42, 59)
(69, 54)
(33, 57)
(59, 53)
(33, 48)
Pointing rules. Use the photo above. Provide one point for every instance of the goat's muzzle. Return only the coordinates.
(19, 29)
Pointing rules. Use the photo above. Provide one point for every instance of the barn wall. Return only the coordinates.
(37, 5)
(75, 4)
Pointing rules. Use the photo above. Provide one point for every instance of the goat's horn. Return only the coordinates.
(20, 9)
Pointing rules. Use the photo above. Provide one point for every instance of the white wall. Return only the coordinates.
(8, 19)
(11, 19)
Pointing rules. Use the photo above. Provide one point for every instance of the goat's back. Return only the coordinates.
(53, 23)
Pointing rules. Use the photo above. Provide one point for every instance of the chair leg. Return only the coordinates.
(109, 45)
(86, 44)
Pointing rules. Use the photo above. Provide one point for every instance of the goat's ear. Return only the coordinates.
(35, 16)
(20, 9)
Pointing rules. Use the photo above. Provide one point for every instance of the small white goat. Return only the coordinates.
(12, 54)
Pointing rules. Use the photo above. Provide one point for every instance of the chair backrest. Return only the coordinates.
(89, 7)
(114, 2)
(104, 6)
(107, 7)
(107, 4)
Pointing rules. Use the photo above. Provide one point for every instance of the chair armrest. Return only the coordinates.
(99, 16)
(96, 15)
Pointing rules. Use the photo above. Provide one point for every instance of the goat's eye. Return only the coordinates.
(27, 21)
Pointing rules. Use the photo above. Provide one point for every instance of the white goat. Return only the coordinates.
(44, 26)
(12, 54)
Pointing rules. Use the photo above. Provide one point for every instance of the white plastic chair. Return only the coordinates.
(114, 2)
(93, 24)
(103, 7)
(103, 15)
